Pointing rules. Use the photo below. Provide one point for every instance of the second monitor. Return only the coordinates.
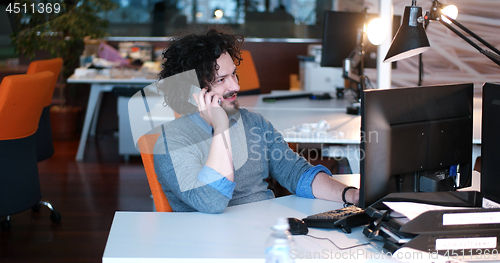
(341, 37)
(416, 139)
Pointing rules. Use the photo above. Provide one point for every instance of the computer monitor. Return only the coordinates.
(415, 139)
(340, 38)
(490, 141)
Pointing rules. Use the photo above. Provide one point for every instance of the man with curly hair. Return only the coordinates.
(218, 155)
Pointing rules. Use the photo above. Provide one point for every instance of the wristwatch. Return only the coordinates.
(343, 195)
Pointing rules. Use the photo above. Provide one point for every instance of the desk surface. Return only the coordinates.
(99, 79)
(297, 104)
(287, 115)
(237, 235)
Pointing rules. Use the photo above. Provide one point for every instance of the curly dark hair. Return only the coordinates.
(199, 52)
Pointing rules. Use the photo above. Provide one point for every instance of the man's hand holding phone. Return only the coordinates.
(208, 103)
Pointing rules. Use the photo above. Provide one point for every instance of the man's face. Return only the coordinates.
(226, 83)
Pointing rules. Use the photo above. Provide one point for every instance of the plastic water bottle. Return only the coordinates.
(279, 243)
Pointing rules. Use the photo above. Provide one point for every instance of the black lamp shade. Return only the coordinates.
(410, 40)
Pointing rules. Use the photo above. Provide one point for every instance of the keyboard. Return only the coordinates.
(344, 218)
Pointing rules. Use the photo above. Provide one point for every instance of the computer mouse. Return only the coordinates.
(297, 226)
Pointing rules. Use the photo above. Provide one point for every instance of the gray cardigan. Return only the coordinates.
(258, 150)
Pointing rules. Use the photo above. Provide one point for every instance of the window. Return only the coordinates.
(252, 18)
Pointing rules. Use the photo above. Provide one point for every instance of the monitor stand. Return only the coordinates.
(354, 109)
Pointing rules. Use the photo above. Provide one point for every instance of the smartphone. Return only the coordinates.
(196, 90)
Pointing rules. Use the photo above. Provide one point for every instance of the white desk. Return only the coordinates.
(285, 114)
(97, 87)
(237, 235)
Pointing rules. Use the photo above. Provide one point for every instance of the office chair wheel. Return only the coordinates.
(55, 216)
(5, 224)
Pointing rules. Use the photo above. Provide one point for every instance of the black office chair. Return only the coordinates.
(20, 111)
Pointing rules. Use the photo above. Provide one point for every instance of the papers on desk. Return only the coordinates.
(321, 126)
(412, 210)
(313, 131)
(447, 234)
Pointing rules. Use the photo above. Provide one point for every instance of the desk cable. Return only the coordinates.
(325, 238)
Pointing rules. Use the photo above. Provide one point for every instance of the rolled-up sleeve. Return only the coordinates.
(213, 178)
(304, 186)
(186, 181)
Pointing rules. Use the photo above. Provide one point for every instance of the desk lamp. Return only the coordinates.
(411, 38)
(375, 32)
(450, 10)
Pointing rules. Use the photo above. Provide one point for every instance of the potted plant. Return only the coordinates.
(58, 28)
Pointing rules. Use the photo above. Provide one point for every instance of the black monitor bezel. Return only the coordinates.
(436, 102)
(490, 141)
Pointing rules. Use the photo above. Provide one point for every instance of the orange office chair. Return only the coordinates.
(45, 145)
(20, 111)
(146, 145)
(247, 74)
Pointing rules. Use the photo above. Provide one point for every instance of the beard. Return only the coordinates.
(231, 107)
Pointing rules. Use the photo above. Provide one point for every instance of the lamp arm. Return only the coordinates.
(492, 56)
(461, 35)
(473, 34)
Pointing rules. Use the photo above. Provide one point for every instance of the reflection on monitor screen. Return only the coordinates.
(416, 139)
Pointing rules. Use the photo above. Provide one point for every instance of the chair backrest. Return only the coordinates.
(146, 145)
(20, 110)
(20, 104)
(248, 78)
(44, 142)
(53, 65)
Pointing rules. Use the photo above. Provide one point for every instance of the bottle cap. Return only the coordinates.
(281, 224)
